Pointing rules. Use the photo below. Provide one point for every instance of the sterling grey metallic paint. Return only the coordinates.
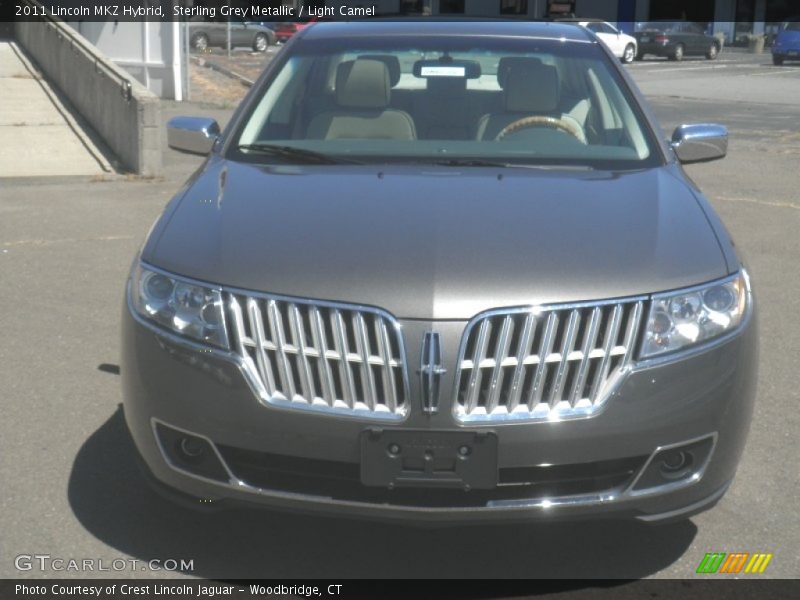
(434, 247)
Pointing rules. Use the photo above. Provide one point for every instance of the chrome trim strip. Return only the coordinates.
(655, 518)
(154, 421)
(674, 485)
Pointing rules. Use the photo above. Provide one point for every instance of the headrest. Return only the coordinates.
(509, 62)
(532, 88)
(392, 63)
(362, 83)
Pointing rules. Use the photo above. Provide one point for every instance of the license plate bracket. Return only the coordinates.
(393, 458)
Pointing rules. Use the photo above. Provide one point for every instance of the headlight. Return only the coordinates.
(182, 306)
(688, 317)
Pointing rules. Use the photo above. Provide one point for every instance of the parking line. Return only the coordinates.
(689, 68)
(781, 71)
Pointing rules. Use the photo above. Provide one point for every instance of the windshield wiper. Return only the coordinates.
(476, 162)
(470, 162)
(300, 155)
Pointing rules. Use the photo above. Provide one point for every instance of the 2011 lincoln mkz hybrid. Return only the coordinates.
(442, 272)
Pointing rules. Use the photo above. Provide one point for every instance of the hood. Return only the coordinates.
(443, 244)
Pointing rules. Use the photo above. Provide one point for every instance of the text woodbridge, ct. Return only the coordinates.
(176, 590)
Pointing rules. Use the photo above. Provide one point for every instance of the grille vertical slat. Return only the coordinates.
(537, 389)
(590, 339)
(345, 372)
(564, 359)
(326, 357)
(384, 350)
(284, 368)
(304, 367)
(324, 365)
(261, 343)
(481, 346)
(518, 379)
(363, 348)
(632, 330)
(611, 337)
(500, 354)
(563, 365)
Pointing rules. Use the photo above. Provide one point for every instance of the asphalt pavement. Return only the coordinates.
(69, 486)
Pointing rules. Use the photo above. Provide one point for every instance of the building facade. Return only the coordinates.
(734, 18)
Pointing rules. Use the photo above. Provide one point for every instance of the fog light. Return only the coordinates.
(192, 448)
(190, 453)
(675, 465)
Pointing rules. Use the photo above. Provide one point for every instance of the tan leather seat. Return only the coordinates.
(363, 93)
(530, 88)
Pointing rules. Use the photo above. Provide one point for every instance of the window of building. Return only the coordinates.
(697, 11)
(513, 7)
(560, 8)
(451, 6)
(413, 7)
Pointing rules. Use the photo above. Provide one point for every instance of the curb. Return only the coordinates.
(227, 72)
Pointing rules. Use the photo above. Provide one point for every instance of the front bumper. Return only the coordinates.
(787, 51)
(706, 396)
(656, 48)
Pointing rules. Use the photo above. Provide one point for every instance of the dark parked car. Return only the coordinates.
(787, 43)
(368, 303)
(675, 39)
(205, 34)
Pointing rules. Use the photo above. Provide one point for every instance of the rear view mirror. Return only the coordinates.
(465, 69)
(700, 143)
(195, 135)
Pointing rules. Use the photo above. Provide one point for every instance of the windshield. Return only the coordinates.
(446, 100)
(659, 26)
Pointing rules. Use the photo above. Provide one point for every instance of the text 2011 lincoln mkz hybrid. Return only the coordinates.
(442, 272)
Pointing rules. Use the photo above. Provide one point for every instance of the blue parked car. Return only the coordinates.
(787, 44)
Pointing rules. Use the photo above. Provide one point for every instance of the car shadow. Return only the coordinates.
(112, 500)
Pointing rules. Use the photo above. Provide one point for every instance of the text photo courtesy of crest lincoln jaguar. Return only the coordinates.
(442, 274)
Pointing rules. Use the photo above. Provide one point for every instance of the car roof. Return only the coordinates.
(568, 32)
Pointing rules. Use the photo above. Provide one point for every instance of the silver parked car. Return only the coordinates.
(443, 272)
(205, 34)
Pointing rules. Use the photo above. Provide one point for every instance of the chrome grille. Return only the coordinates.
(328, 357)
(544, 363)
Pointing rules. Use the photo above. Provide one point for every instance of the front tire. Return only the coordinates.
(628, 54)
(777, 60)
(260, 43)
(677, 54)
(713, 52)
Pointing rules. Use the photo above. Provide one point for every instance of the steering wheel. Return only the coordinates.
(541, 121)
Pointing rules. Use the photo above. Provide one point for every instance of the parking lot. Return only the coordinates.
(71, 488)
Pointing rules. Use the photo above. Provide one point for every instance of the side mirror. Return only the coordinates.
(700, 143)
(195, 135)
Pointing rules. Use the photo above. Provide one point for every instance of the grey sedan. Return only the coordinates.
(203, 35)
(442, 272)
